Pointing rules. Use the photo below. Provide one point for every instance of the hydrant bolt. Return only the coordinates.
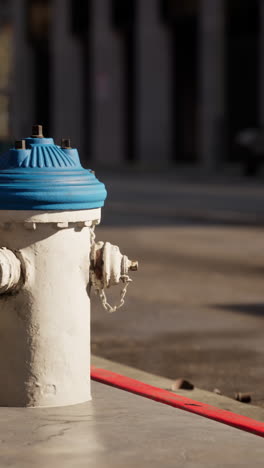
(20, 144)
(65, 143)
(133, 266)
(37, 131)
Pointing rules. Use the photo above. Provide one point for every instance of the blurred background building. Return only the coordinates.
(143, 81)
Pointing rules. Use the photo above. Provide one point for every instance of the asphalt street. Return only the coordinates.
(196, 306)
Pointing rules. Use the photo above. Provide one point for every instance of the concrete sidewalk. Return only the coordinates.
(118, 429)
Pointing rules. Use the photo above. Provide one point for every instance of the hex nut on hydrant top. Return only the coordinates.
(49, 207)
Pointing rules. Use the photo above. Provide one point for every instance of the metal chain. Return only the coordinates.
(92, 238)
(101, 292)
(102, 295)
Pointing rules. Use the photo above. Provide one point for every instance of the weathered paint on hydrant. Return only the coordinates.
(49, 207)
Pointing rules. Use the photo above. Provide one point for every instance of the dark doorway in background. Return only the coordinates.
(182, 20)
(184, 94)
(38, 29)
(242, 19)
(80, 16)
(123, 21)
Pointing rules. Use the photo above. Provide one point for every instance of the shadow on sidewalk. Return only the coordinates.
(250, 309)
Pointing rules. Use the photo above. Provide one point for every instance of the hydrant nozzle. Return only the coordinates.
(10, 271)
(109, 266)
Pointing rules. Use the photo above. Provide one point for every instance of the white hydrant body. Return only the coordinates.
(45, 325)
(48, 262)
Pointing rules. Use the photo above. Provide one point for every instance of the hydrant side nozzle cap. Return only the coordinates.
(37, 174)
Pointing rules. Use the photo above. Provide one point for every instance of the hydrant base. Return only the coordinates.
(79, 402)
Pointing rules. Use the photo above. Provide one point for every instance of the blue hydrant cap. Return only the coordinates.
(38, 175)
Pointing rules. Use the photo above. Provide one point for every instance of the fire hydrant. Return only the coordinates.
(49, 207)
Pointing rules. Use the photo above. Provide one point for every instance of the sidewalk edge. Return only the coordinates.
(177, 401)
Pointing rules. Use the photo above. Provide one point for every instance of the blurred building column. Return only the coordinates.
(66, 77)
(212, 83)
(261, 63)
(153, 86)
(22, 104)
(107, 87)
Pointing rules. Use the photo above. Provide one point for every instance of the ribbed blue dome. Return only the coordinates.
(47, 156)
(45, 176)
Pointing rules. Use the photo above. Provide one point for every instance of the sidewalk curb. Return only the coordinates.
(177, 401)
(204, 396)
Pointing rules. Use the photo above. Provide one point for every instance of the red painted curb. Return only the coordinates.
(168, 398)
